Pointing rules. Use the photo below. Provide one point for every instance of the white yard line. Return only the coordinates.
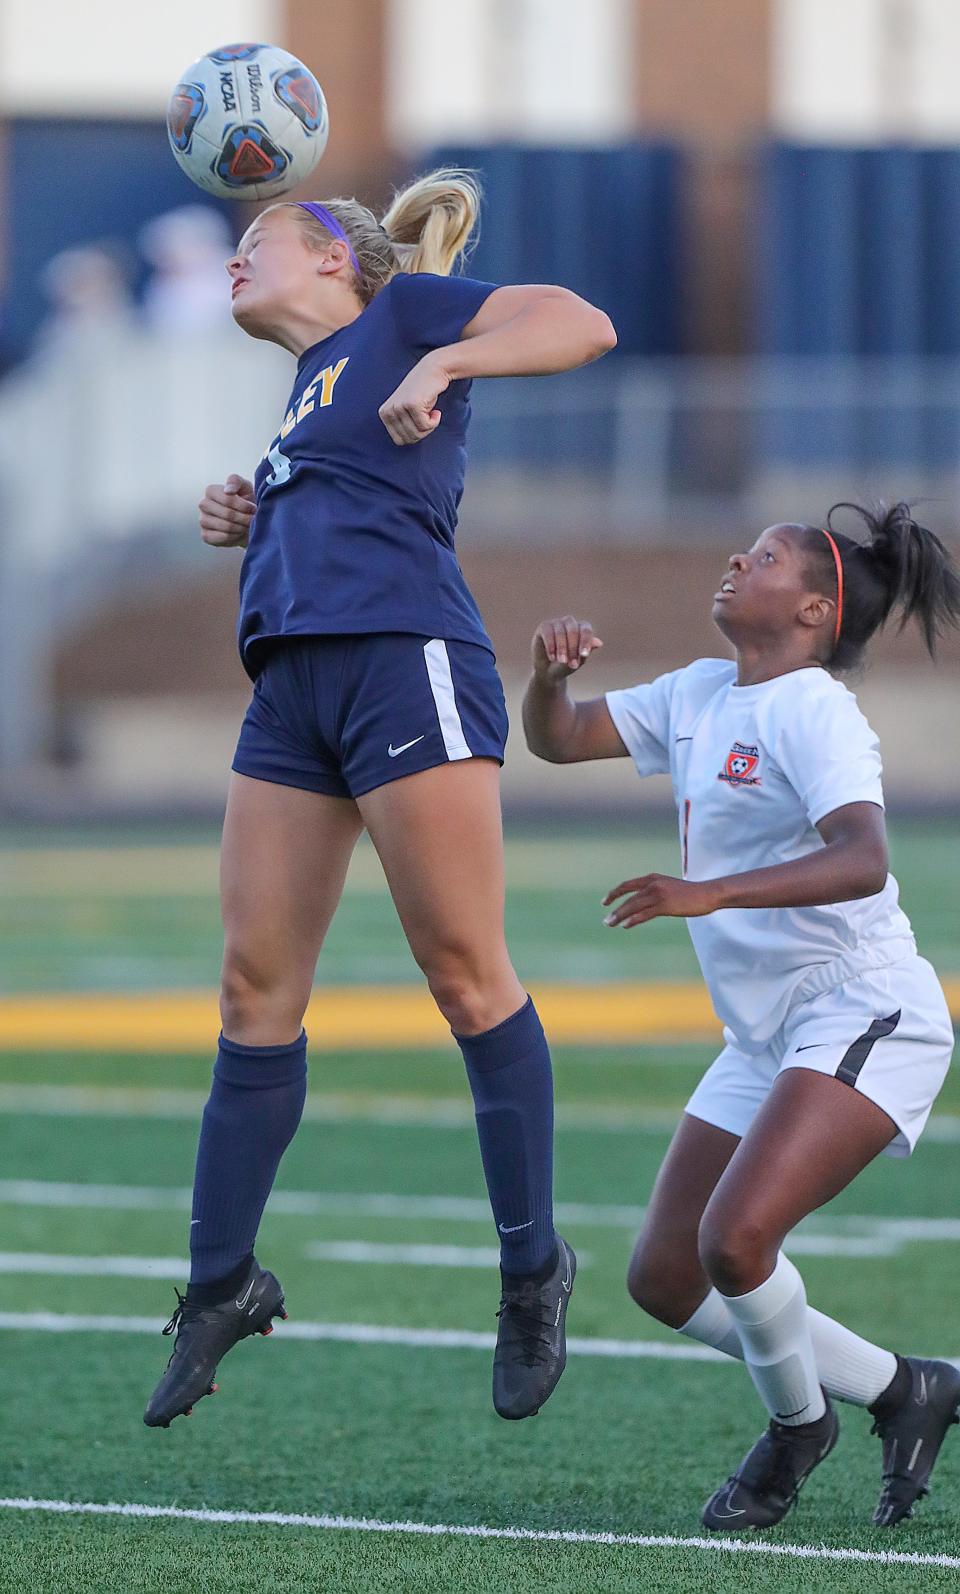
(839, 1245)
(465, 1530)
(380, 1334)
(172, 1267)
(363, 1251)
(123, 1267)
(302, 1203)
(367, 1334)
(827, 1235)
(415, 1112)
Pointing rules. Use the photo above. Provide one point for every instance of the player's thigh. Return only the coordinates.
(440, 840)
(665, 1275)
(283, 861)
(811, 1137)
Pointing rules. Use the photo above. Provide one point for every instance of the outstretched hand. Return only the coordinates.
(659, 896)
(561, 646)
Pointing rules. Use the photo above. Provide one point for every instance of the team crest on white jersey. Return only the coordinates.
(740, 768)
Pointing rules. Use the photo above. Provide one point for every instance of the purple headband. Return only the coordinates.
(332, 225)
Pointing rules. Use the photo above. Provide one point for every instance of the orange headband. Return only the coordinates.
(839, 564)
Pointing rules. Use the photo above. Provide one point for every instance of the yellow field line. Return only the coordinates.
(353, 1018)
(344, 1018)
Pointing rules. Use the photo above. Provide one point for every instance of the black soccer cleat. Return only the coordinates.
(531, 1348)
(770, 1476)
(204, 1335)
(912, 1436)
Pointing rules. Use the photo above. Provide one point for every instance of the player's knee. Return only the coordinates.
(463, 1002)
(659, 1287)
(251, 1000)
(469, 994)
(733, 1252)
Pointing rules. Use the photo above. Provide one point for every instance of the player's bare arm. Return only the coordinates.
(523, 330)
(557, 729)
(852, 864)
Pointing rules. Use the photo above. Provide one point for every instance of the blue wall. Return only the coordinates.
(858, 251)
(858, 254)
(74, 182)
(605, 222)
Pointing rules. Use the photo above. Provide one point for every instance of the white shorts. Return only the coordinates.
(886, 1033)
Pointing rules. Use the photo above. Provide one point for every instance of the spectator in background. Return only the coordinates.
(186, 248)
(90, 299)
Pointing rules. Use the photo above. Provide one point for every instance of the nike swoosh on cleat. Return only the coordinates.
(922, 1397)
(394, 752)
(731, 1511)
(515, 1228)
(244, 1298)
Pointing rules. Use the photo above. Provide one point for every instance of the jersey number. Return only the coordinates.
(281, 468)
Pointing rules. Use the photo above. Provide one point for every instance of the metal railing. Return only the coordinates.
(105, 446)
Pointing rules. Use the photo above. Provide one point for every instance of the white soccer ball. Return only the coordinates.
(247, 121)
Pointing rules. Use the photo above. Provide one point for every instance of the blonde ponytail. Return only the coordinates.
(427, 228)
(430, 221)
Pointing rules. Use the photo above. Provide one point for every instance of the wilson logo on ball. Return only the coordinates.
(187, 105)
(740, 767)
(262, 118)
(249, 156)
(300, 93)
(234, 52)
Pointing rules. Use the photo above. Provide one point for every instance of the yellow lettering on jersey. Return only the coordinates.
(326, 382)
(330, 377)
(306, 399)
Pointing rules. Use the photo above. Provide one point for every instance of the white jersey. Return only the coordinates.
(754, 769)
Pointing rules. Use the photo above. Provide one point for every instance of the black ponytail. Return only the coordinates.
(902, 567)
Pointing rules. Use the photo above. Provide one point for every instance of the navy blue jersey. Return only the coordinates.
(352, 533)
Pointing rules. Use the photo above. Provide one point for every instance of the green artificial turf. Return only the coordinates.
(397, 1433)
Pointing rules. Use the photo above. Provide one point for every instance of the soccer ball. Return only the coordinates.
(247, 121)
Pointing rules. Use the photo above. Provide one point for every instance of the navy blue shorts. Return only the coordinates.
(344, 714)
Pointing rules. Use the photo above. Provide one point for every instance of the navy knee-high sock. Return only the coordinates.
(255, 1105)
(512, 1083)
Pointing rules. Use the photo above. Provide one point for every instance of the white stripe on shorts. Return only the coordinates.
(441, 685)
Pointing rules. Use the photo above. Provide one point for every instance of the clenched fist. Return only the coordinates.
(226, 513)
(410, 413)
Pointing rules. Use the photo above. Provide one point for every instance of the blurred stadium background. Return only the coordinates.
(765, 197)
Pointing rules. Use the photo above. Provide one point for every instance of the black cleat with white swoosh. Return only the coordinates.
(912, 1436)
(531, 1348)
(204, 1335)
(770, 1476)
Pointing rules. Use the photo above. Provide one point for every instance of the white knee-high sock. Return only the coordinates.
(849, 1368)
(712, 1324)
(772, 1323)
